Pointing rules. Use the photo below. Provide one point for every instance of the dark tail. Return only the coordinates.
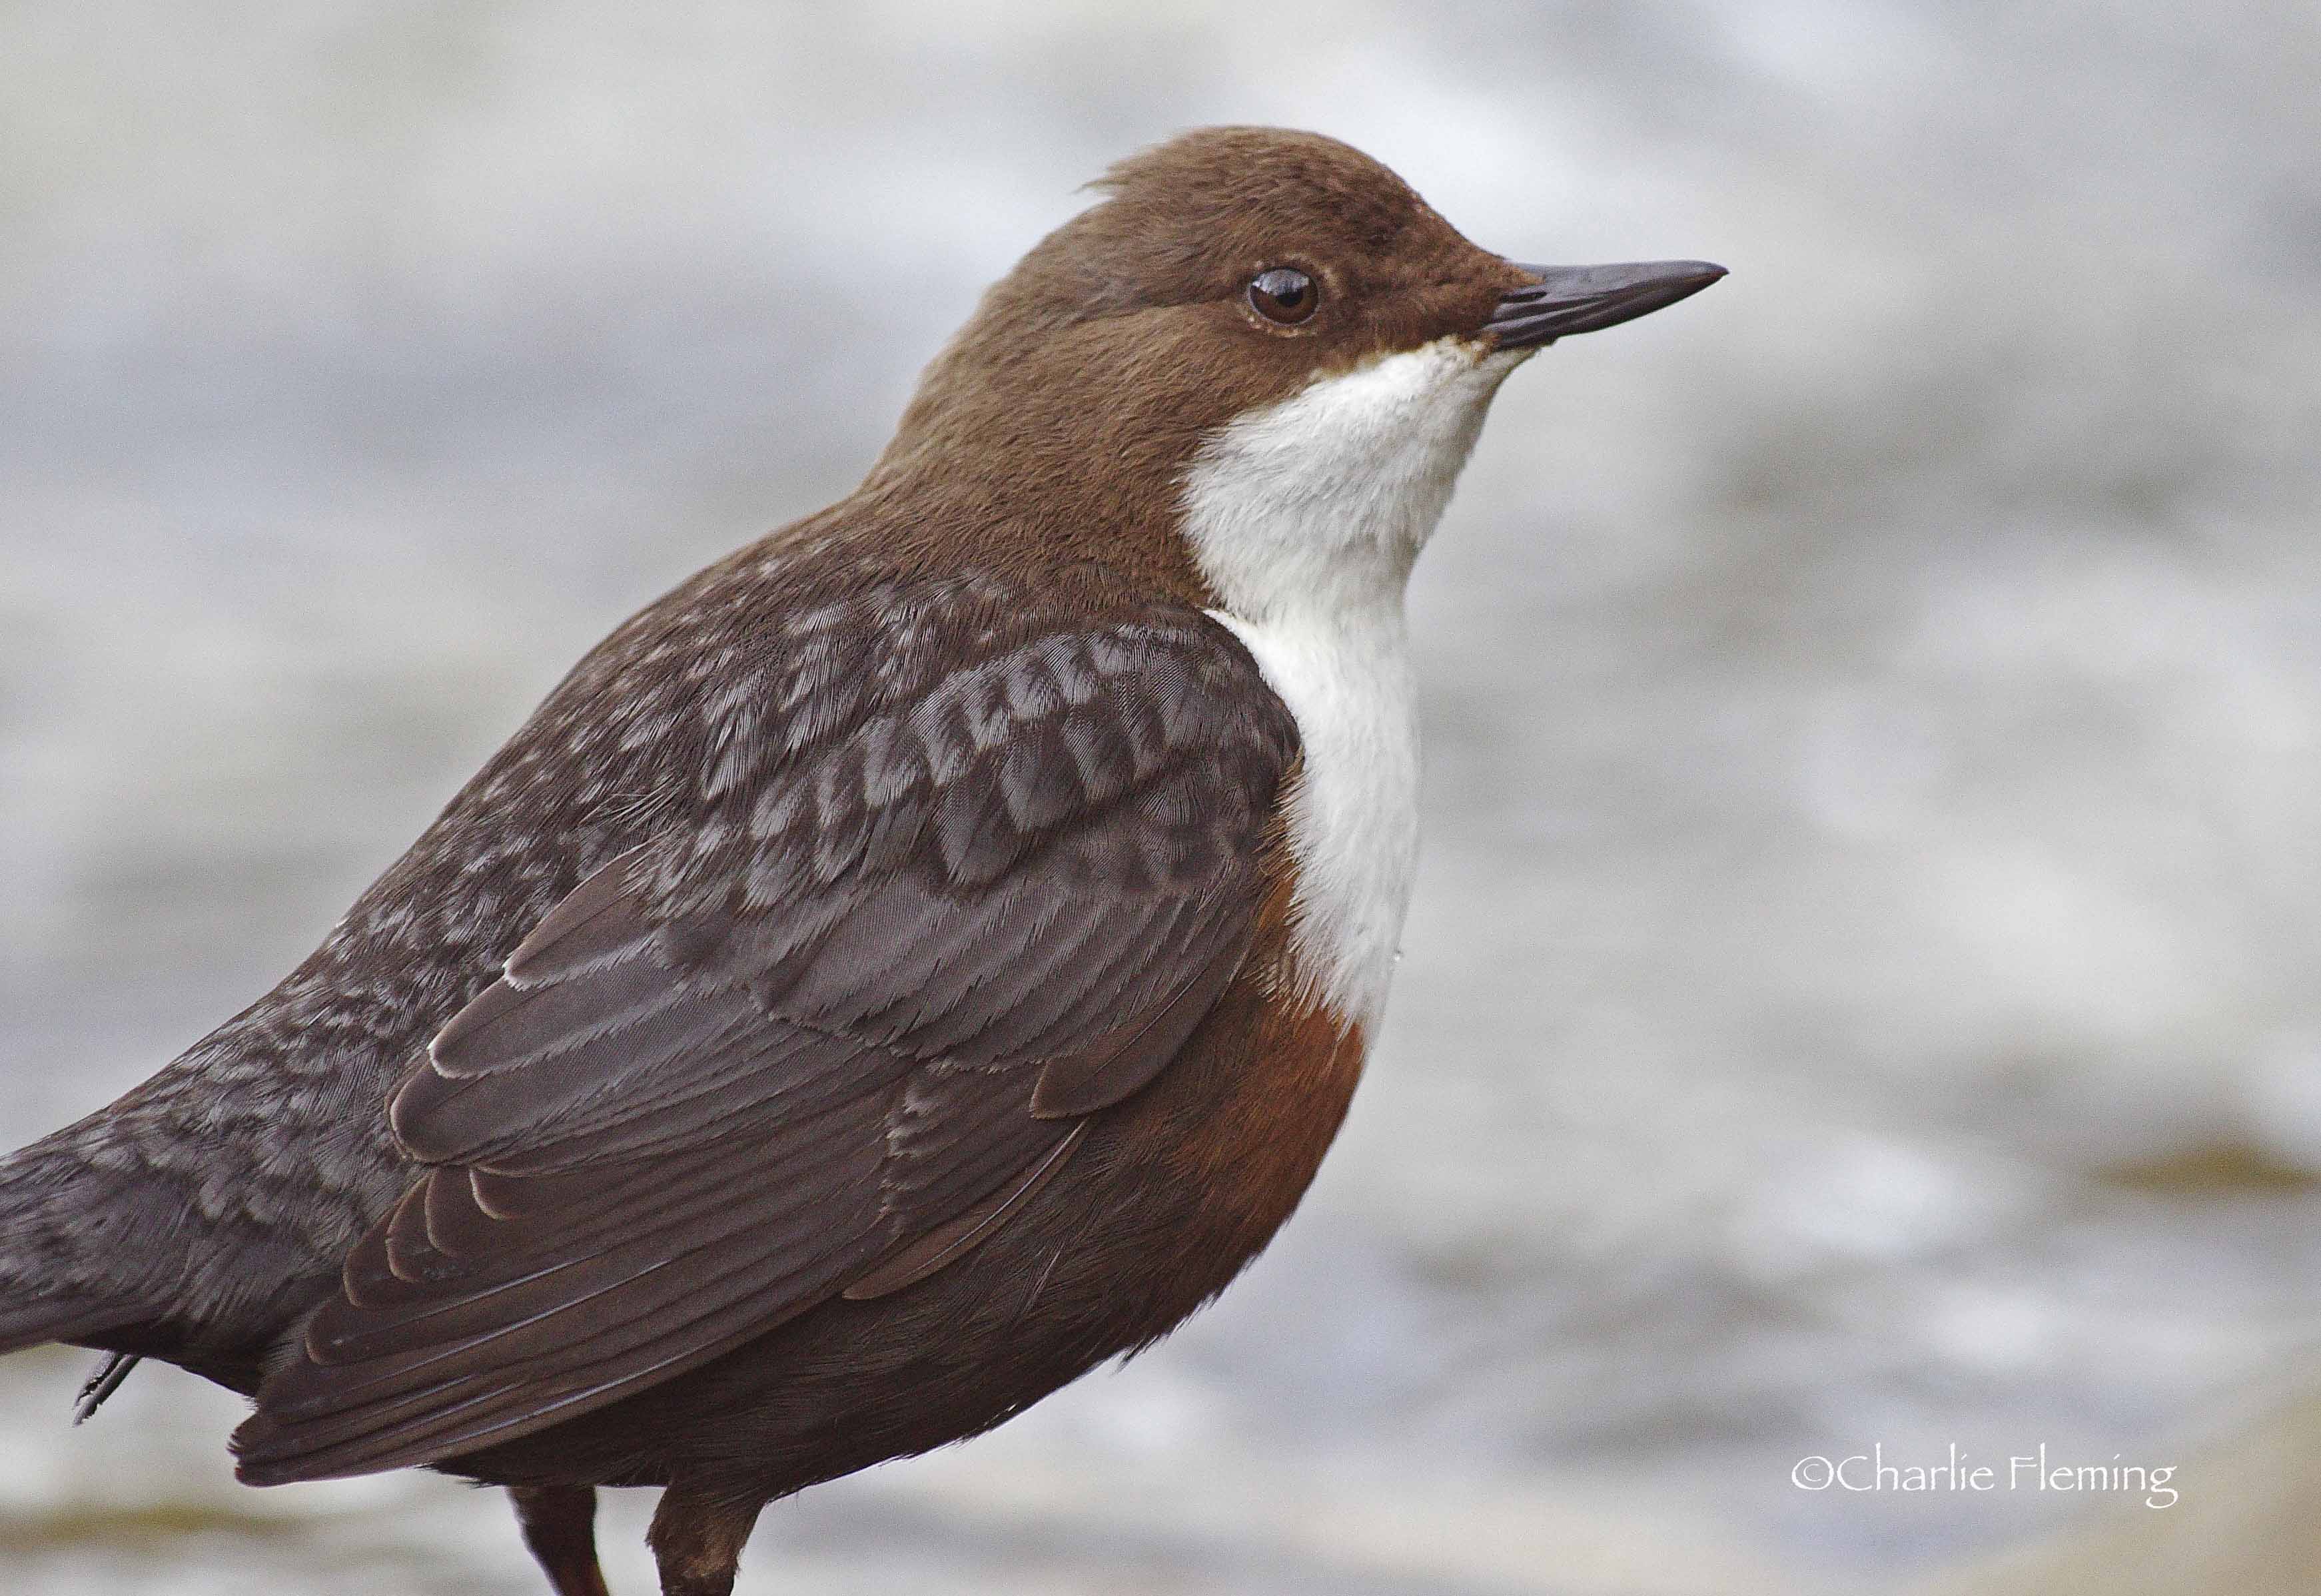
(67, 1237)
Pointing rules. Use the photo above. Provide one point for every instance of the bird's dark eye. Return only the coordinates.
(1283, 294)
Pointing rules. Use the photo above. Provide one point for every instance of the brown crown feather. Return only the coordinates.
(1080, 392)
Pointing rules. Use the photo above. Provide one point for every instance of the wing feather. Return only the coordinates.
(816, 1037)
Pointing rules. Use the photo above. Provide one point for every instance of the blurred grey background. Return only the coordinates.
(1865, 985)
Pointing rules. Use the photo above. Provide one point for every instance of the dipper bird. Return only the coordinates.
(921, 956)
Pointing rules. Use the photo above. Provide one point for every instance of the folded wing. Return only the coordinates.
(820, 1035)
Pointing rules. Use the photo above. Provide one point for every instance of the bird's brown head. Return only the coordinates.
(1233, 275)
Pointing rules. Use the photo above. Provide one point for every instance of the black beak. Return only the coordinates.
(1568, 299)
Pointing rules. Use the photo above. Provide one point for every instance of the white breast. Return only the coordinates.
(1353, 818)
(1306, 517)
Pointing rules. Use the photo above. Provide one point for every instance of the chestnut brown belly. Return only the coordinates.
(1169, 1196)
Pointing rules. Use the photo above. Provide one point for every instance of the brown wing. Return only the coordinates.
(821, 1039)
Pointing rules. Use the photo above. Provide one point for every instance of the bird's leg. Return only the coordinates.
(560, 1526)
(697, 1539)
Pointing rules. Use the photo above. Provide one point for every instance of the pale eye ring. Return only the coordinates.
(1284, 294)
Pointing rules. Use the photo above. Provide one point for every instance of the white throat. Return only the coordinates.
(1306, 517)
